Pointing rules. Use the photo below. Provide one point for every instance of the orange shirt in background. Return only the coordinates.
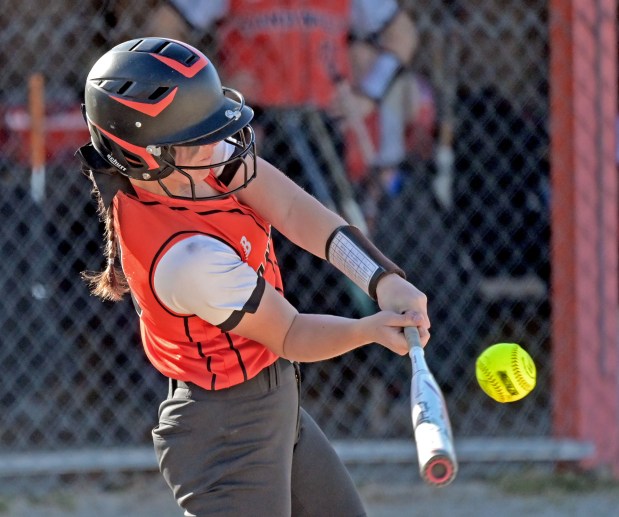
(284, 53)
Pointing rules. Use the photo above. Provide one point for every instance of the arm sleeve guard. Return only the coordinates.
(355, 256)
(380, 77)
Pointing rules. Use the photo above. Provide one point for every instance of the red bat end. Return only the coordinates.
(439, 471)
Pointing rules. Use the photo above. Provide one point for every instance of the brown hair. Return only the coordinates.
(111, 283)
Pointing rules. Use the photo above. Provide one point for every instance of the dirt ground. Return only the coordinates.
(516, 497)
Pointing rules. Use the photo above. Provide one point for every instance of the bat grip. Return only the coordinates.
(412, 337)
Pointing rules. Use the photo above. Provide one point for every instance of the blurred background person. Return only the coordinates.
(383, 41)
(305, 61)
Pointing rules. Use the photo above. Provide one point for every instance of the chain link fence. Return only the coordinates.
(476, 241)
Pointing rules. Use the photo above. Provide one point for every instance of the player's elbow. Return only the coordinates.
(287, 349)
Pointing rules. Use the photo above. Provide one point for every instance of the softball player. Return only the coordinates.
(188, 207)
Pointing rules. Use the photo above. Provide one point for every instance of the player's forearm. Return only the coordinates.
(309, 224)
(292, 211)
(315, 337)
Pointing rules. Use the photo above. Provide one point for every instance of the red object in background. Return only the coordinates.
(356, 165)
(65, 131)
(584, 244)
(419, 134)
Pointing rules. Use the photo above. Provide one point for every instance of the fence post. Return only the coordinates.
(585, 358)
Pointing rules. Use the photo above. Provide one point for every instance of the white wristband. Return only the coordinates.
(355, 256)
(380, 77)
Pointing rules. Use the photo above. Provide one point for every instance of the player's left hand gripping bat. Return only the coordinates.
(433, 437)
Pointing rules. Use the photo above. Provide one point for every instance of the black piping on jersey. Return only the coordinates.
(278, 289)
(272, 264)
(238, 355)
(235, 211)
(207, 212)
(200, 352)
(268, 260)
(251, 306)
(208, 367)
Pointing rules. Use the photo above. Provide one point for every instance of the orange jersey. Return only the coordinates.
(283, 53)
(184, 346)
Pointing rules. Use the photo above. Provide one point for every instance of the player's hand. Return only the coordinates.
(349, 105)
(385, 328)
(398, 295)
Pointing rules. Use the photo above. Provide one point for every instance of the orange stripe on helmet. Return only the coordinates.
(137, 150)
(152, 109)
(187, 71)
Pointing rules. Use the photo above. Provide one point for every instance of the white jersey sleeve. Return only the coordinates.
(371, 16)
(201, 14)
(204, 276)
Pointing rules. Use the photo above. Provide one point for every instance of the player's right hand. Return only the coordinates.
(394, 293)
(386, 328)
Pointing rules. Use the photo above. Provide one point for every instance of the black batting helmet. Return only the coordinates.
(146, 95)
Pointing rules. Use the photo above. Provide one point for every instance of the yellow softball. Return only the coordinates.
(506, 372)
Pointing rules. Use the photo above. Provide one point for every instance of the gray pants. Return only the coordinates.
(250, 450)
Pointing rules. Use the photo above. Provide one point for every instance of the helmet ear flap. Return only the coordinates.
(136, 162)
(108, 150)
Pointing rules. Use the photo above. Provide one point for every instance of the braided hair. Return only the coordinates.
(110, 283)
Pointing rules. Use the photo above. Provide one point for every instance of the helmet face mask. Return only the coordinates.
(147, 95)
(244, 150)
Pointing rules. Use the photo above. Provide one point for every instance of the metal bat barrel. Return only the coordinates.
(440, 470)
(433, 437)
